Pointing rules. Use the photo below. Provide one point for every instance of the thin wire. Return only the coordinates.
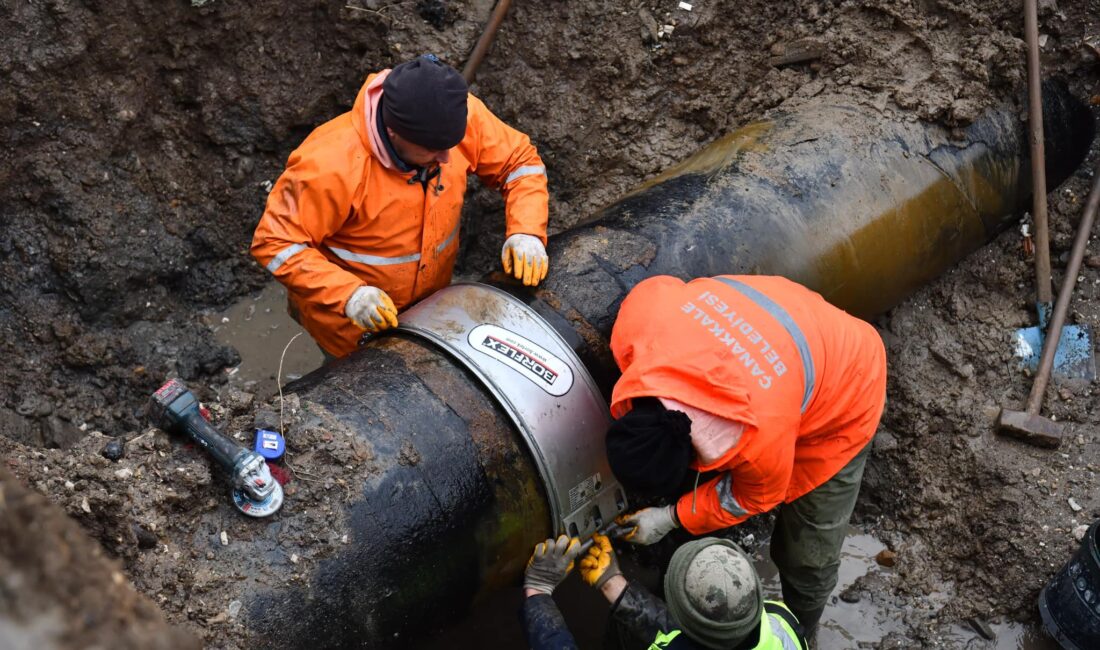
(299, 473)
(302, 474)
(279, 381)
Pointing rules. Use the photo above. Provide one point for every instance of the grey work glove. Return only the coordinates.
(650, 524)
(550, 563)
(370, 308)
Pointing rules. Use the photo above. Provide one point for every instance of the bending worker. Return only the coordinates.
(714, 599)
(364, 220)
(761, 382)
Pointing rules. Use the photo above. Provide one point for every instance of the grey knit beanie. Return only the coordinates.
(714, 593)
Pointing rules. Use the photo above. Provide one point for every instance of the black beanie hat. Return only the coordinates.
(649, 449)
(424, 101)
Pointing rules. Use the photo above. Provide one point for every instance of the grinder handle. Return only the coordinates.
(174, 408)
(223, 448)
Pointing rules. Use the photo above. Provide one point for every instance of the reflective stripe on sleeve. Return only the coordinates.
(283, 256)
(526, 170)
(785, 626)
(781, 315)
(373, 260)
(781, 634)
(726, 499)
(450, 238)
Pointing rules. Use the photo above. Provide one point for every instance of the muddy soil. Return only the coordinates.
(162, 507)
(59, 590)
(140, 138)
(979, 518)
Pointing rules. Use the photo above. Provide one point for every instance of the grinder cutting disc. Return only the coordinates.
(253, 508)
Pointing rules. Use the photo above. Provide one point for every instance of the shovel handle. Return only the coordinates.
(1061, 307)
(1038, 154)
(469, 71)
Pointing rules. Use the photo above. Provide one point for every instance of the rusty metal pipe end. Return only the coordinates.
(1031, 428)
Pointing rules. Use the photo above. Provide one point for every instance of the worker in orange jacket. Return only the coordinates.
(365, 219)
(772, 392)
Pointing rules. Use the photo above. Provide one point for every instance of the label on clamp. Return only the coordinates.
(583, 491)
(531, 360)
(269, 444)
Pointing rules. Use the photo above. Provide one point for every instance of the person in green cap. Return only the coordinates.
(713, 600)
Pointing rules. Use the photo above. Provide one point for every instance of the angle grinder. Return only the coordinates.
(175, 409)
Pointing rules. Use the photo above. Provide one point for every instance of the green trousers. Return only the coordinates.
(807, 538)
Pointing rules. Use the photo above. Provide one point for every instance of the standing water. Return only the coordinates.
(844, 624)
(259, 328)
(858, 618)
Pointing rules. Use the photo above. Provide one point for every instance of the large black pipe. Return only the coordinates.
(855, 205)
(449, 507)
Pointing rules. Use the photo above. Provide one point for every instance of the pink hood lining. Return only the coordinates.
(712, 436)
(370, 110)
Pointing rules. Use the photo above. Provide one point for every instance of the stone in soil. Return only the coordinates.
(113, 450)
(886, 558)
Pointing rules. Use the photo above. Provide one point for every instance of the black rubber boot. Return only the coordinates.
(808, 620)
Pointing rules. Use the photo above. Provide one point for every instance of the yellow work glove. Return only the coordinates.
(370, 308)
(600, 564)
(550, 563)
(524, 256)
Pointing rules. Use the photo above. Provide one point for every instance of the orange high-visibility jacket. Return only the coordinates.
(337, 218)
(806, 380)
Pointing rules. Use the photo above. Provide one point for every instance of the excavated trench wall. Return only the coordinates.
(140, 136)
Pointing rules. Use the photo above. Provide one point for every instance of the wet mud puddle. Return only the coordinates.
(861, 614)
(259, 328)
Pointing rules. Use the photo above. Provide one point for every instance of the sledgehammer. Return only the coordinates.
(1028, 425)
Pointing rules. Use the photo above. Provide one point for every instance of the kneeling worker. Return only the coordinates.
(364, 220)
(763, 382)
(714, 599)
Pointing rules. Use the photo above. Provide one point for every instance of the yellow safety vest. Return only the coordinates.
(776, 633)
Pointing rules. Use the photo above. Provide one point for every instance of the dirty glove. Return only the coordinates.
(370, 308)
(650, 524)
(524, 256)
(550, 563)
(600, 564)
